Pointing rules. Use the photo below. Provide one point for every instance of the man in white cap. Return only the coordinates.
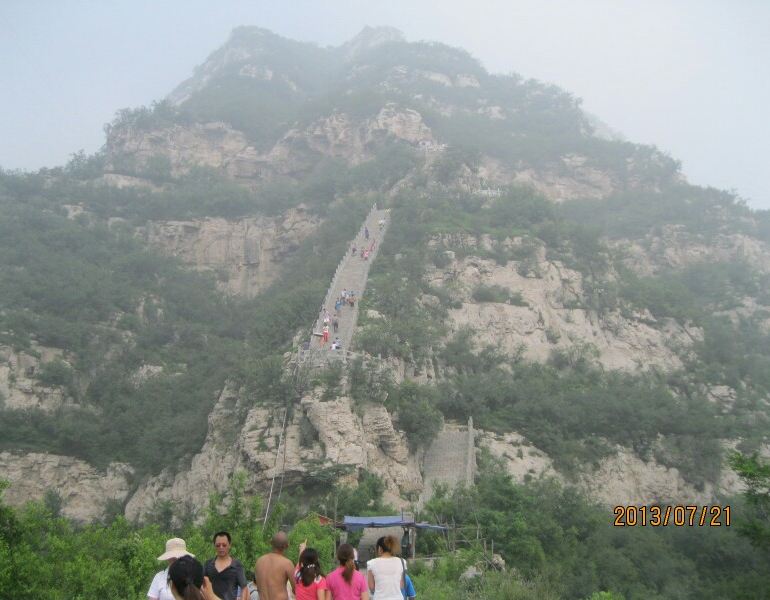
(159, 588)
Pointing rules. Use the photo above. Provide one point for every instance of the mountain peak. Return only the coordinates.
(370, 37)
(245, 44)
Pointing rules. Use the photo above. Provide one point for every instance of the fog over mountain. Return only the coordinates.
(686, 76)
(376, 277)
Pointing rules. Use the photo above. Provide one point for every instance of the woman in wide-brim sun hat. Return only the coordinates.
(159, 589)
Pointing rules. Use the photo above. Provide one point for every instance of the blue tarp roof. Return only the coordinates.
(355, 523)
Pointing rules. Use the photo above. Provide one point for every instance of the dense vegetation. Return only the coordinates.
(115, 306)
(555, 543)
(565, 547)
(701, 211)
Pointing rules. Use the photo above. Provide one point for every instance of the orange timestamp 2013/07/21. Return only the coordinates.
(679, 515)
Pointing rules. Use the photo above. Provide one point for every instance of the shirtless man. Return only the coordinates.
(274, 570)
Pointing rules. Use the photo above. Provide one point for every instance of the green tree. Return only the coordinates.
(242, 517)
(418, 415)
(315, 535)
(755, 474)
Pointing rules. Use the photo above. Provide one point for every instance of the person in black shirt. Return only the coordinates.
(225, 572)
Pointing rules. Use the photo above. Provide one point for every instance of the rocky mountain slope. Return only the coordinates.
(579, 277)
(245, 253)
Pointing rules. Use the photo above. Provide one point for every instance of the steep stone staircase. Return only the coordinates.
(450, 460)
(351, 274)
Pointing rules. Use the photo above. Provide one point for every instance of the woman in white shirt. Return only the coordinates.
(386, 572)
(160, 589)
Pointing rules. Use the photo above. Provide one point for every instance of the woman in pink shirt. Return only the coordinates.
(345, 582)
(311, 584)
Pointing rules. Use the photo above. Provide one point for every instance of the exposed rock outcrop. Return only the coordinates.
(547, 315)
(219, 146)
(574, 179)
(521, 459)
(208, 472)
(673, 247)
(625, 479)
(126, 181)
(251, 444)
(247, 252)
(20, 386)
(620, 479)
(245, 47)
(368, 38)
(84, 491)
(215, 145)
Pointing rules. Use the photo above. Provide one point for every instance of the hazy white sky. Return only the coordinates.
(690, 76)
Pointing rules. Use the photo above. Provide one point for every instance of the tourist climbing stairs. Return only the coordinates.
(351, 275)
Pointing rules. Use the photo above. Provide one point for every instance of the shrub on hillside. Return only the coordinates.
(491, 293)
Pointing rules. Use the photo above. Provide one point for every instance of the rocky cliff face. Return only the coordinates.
(214, 145)
(341, 136)
(20, 385)
(547, 314)
(219, 146)
(84, 491)
(246, 253)
(573, 179)
(322, 436)
(338, 437)
(248, 50)
(673, 247)
(620, 479)
(626, 479)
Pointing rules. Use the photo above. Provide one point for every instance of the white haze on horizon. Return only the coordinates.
(687, 76)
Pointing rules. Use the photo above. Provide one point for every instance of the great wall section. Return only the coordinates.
(450, 460)
(351, 275)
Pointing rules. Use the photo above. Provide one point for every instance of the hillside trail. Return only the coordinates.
(450, 460)
(351, 275)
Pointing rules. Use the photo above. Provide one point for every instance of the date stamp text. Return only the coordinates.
(679, 515)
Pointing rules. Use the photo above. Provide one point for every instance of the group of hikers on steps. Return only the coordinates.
(275, 577)
(346, 297)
